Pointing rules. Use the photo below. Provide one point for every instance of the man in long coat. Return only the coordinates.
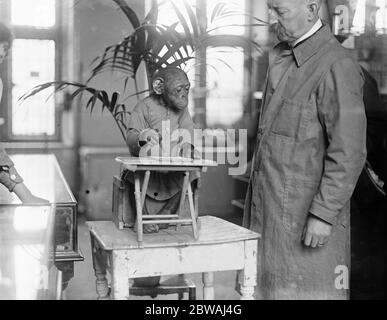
(310, 150)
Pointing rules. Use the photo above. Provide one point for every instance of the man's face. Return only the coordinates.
(176, 92)
(4, 48)
(289, 18)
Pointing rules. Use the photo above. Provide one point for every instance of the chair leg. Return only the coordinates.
(138, 195)
(182, 197)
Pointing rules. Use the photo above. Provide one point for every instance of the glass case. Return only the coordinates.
(43, 176)
(27, 269)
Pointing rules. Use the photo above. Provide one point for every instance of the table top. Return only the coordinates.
(42, 175)
(212, 230)
(26, 243)
(165, 161)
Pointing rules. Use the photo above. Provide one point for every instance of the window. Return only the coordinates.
(34, 117)
(34, 59)
(358, 24)
(381, 16)
(224, 85)
(232, 23)
(37, 13)
(216, 101)
(379, 20)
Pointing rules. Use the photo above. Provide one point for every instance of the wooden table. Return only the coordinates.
(221, 246)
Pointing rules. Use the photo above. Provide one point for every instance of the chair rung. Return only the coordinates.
(169, 216)
(167, 221)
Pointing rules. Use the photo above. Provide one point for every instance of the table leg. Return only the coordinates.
(120, 280)
(137, 194)
(99, 265)
(144, 187)
(248, 276)
(192, 211)
(208, 286)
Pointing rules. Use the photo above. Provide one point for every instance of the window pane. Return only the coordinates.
(167, 14)
(358, 24)
(33, 63)
(228, 19)
(194, 85)
(225, 81)
(381, 16)
(34, 13)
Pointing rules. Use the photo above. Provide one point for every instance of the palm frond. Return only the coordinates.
(128, 11)
(184, 23)
(217, 10)
(153, 13)
(96, 96)
(180, 62)
(193, 19)
(154, 45)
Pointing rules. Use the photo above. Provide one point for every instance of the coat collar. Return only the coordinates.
(306, 49)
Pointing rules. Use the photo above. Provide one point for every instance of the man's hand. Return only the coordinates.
(36, 200)
(188, 151)
(149, 136)
(25, 195)
(316, 232)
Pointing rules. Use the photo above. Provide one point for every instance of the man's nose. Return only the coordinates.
(273, 18)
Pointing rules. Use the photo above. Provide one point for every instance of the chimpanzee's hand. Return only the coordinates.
(149, 136)
(316, 232)
(188, 151)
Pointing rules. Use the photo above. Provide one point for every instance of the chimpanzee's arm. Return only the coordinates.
(136, 124)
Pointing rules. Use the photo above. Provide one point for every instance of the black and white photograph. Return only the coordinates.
(191, 150)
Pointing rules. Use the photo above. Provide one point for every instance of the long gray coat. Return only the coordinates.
(310, 152)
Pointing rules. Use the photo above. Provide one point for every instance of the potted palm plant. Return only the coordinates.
(154, 45)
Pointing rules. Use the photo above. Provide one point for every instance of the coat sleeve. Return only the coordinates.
(137, 123)
(9, 177)
(342, 115)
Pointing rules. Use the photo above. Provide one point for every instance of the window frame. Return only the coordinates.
(219, 40)
(54, 33)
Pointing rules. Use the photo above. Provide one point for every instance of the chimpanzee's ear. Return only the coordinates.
(158, 85)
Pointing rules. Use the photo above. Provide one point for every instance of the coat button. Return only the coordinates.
(260, 133)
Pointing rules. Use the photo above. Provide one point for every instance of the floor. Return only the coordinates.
(82, 286)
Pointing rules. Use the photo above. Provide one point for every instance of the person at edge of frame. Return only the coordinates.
(9, 177)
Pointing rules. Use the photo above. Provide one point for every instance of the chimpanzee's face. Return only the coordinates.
(176, 92)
